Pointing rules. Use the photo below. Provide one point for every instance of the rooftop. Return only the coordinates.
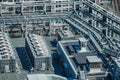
(93, 59)
(6, 51)
(83, 40)
(66, 34)
(81, 57)
(38, 45)
(45, 77)
(72, 48)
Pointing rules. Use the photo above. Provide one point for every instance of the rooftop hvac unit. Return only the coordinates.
(33, 39)
(42, 52)
(33, 35)
(6, 39)
(2, 53)
(37, 53)
(10, 52)
(1, 38)
(2, 45)
(10, 57)
(6, 51)
(5, 56)
(34, 42)
(1, 35)
(39, 49)
(7, 44)
(65, 34)
(1, 42)
(37, 46)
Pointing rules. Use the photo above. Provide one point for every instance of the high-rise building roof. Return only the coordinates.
(6, 50)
